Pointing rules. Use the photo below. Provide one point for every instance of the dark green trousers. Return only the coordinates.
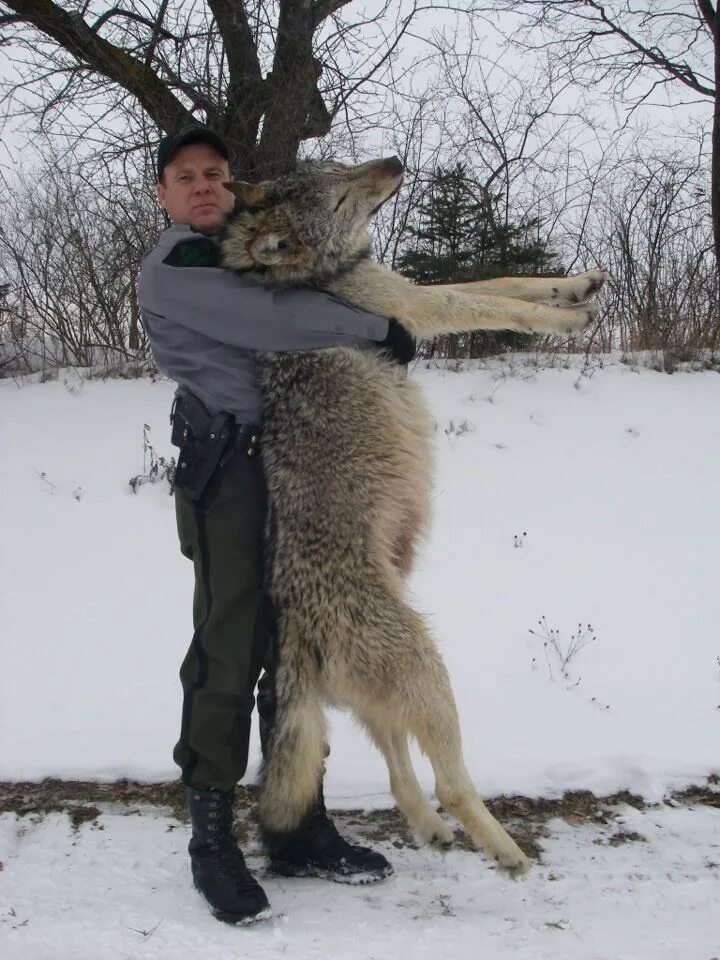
(222, 535)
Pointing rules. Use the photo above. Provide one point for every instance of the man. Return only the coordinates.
(204, 325)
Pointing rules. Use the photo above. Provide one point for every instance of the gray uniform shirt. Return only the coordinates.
(205, 325)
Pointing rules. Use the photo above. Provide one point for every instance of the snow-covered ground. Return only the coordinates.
(122, 892)
(563, 497)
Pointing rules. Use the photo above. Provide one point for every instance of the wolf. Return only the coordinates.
(346, 448)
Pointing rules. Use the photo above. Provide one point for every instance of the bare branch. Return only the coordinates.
(240, 45)
(322, 9)
(157, 32)
(91, 50)
(130, 15)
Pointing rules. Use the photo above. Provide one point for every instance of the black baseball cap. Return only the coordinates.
(194, 133)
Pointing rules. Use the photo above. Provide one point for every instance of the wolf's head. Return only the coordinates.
(312, 223)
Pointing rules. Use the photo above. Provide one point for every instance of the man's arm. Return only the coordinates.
(235, 310)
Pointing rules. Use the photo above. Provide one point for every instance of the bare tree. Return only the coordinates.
(266, 74)
(69, 259)
(521, 137)
(635, 48)
(651, 227)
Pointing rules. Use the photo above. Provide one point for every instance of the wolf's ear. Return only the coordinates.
(270, 249)
(247, 194)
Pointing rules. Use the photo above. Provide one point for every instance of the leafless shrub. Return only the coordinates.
(652, 231)
(558, 653)
(156, 468)
(70, 252)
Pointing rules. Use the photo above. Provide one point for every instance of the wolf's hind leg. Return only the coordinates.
(434, 721)
(439, 738)
(417, 692)
(424, 820)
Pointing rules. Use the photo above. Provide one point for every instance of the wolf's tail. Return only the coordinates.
(292, 773)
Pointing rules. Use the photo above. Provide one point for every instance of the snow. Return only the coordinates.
(565, 495)
(123, 893)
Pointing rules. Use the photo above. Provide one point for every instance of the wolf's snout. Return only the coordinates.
(393, 166)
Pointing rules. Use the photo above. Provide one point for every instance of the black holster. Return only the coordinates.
(206, 442)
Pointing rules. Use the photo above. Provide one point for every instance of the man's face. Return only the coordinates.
(192, 192)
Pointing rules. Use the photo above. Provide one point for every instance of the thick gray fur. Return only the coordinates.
(347, 453)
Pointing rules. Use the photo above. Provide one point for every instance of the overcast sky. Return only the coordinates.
(17, 138)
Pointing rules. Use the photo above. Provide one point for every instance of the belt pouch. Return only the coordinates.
(200, 455)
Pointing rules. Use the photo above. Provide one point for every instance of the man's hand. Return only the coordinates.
(399, 344)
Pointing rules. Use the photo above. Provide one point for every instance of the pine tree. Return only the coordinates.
(442, 246)
(458, 238)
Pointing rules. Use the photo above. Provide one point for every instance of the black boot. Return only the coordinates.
(218, 866)
(316, 849)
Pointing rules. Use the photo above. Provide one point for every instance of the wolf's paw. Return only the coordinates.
(513, 862)
(564, 320)
(596, 279)
(436, 833)
(443, 838)
(578, 289)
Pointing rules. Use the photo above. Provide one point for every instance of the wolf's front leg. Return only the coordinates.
(427, 311)
(554, 291)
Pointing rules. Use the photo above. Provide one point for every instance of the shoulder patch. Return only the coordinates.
(194, 253)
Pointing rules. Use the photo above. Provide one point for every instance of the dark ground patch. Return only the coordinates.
(621, 837)
(525, 818)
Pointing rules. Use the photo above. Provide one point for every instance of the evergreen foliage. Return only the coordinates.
(461, 235)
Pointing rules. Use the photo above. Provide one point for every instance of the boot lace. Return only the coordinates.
(221, 841)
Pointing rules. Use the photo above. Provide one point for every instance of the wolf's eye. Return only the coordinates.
(340, 202)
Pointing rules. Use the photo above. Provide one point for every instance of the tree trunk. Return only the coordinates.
(287, 102)
(715, 155)
(290, 89)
